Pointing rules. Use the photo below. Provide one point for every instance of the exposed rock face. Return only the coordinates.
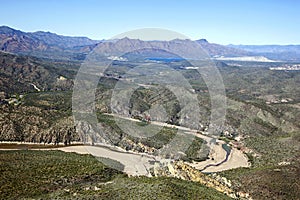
(32, 124)
(179, 169)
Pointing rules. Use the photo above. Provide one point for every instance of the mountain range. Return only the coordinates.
(276, 52)
(51, 45)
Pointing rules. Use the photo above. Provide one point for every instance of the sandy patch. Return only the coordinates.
(135, 164)
(236, 159)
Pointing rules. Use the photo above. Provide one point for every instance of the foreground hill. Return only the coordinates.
(58, 175)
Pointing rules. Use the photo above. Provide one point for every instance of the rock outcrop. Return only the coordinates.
(32, 124)
(179, 169)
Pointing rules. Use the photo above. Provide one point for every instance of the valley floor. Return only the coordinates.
(136, 164)
(139, 163)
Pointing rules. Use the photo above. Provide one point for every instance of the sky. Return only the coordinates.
(218, 21)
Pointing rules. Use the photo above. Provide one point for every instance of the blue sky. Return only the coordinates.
(223, 22)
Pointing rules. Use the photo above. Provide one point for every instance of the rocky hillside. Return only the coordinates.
(17, 41)
(33, 124)
(44, 44)
(22, 74)
(179, 169)
(25, 118)
(12, 40)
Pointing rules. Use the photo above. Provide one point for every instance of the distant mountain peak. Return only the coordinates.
(202, 41)
(127, 39)
(44, 32)
(7, 30)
